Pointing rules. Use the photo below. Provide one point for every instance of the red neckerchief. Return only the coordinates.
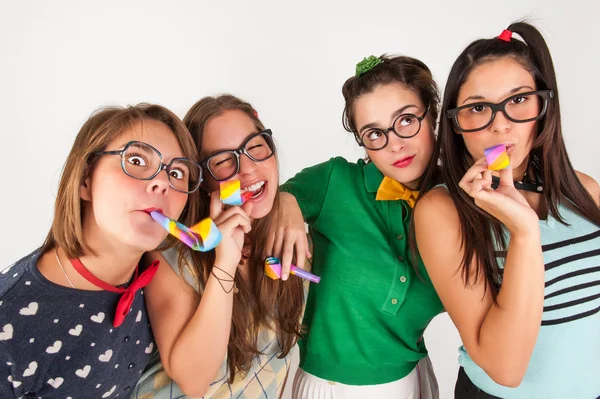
(127, 294)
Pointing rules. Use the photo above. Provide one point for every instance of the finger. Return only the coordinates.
(269, 245)
(506, 177)
(301, 250)
(247, 207)
(473, 173)
(286, 256)
(229, 225)
(308, 254)
(477, 186)
(487, 175)
(216, 206)
(278, 244)
(229, 213)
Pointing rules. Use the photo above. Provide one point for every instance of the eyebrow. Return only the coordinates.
(398, 112)
(513, 91)
(214, 152)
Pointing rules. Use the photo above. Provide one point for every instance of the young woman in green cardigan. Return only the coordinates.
(365, 320)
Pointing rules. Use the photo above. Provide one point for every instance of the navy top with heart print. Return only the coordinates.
(59, 342)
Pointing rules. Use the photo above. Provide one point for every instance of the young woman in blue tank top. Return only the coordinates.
(514, 255)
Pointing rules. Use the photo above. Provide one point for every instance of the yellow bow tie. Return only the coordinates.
(391, 190)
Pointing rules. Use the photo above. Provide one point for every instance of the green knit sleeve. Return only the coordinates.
(309, 187)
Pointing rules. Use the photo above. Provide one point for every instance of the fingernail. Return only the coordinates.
(284, 277)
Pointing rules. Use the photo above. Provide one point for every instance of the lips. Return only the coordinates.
(510, 148)
(404, 162)
(148, 210)
(254, 190)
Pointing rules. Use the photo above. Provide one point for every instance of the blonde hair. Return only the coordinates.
(102, 127)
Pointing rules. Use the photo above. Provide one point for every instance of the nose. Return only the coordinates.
(159, 184)
(395, 143)
(247, 166)
(500, 124)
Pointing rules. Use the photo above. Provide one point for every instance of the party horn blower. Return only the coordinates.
(496, 157)
(202, 236)
(231, 193)
(273, 270)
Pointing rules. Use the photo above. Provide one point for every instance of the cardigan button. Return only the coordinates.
(402, 279)
(394, 301)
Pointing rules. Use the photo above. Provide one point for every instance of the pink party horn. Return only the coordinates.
(496, 157)
(273, 270)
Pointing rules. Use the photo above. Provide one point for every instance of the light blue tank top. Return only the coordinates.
(566, 359)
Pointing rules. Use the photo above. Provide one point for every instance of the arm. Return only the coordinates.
(590, 185)
(500, 337)
(301, 199)
(192, 333)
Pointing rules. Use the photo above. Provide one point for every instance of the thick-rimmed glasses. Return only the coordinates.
(144, 162)
(225, 164)
(519, 108)
(405, 126)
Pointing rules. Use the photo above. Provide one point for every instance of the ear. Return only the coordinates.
(85, 189)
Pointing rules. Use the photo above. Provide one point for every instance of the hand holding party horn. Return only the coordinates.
(273, 270)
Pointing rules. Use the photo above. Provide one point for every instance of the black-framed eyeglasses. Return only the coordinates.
(225, 164)
(519, 108)
(405, 126)
(144, 162)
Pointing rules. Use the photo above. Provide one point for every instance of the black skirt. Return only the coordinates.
(465, 389)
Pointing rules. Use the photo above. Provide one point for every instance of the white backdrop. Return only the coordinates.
(61, 60)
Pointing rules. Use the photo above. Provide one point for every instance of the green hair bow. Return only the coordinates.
(367, 64)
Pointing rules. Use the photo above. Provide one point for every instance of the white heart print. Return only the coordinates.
(14, 383)
(105, 357)
(56, 382)
(54, 348)
(139, 316)
(76, 331)
(7, 332)
(83, 373)
(148, 350)
(30, 370)
(30, 310)
(107, 394)
(99, 318)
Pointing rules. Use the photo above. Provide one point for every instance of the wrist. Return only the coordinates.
(225, 279)
(526, 236)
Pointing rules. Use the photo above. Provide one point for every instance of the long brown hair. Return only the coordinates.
(548, 157)
(102, 127)
(260, 302)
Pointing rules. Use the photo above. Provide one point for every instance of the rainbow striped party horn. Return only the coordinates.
(496, 157)
(273, 270)
(202, 236)
(231, 193)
